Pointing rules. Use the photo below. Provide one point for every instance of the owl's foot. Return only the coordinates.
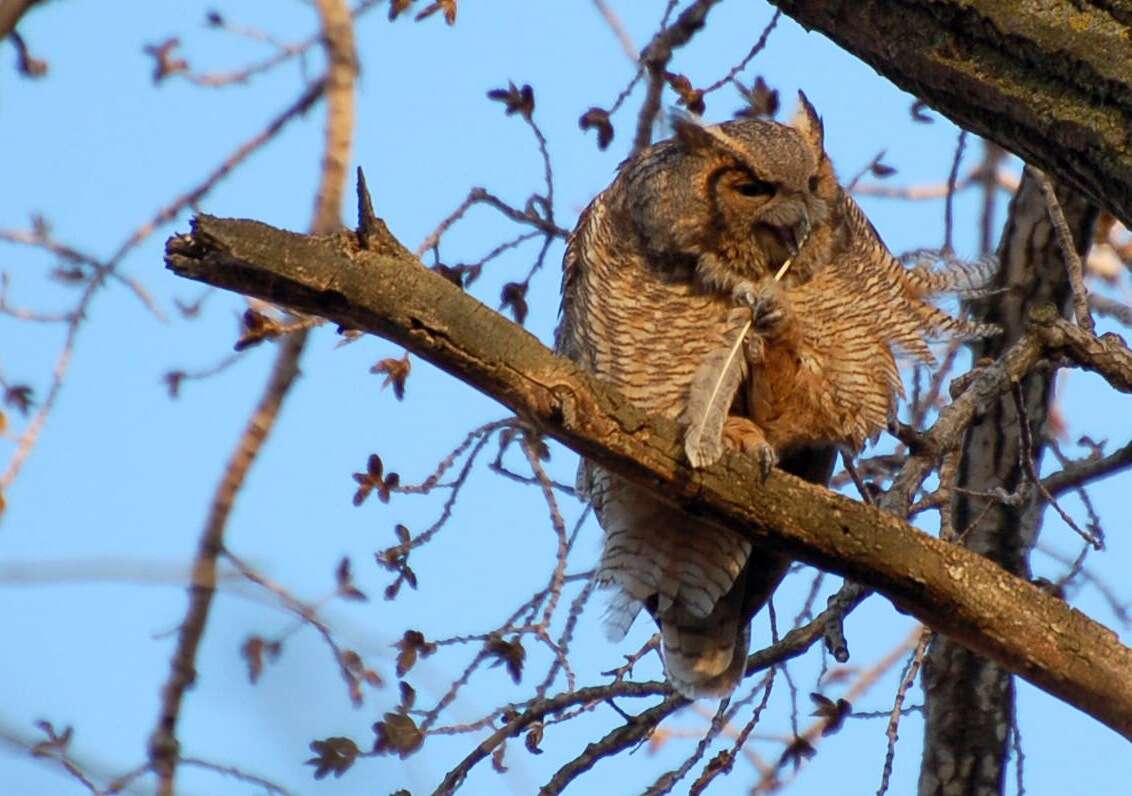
(770, 309)
(742, 434)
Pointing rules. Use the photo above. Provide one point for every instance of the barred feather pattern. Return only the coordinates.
(945, 273)
(834, 374)
(646, 306)
(627, 324)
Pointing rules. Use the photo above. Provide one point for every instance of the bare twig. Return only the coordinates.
(163, 745)
(1111, 308)
(668, 780)
(655, 58)
(756, 48)
(1069, 253)
(237, 774)
(541, 708)
(1025, 452)
(31, 432)
(482, 196)
(906, 680)
(953, 175)
(337, 30)
(308, 615)
(723, 762)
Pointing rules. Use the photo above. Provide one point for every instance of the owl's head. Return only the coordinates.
(741, 198)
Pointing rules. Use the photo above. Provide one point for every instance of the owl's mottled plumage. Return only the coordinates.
(691, 228)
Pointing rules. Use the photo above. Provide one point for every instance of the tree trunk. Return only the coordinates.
(969, 700)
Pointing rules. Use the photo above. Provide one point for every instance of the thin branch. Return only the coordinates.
(540, 709)
(308, 615)
(238, 774)
(756, 48)
(948, 207)
(337, 30)
(1087, 470)
(1111, 308)
(655, 58)
(1025, 452)
(164, 749)
(31, 433)
(635, 730)
(906, 680)
(1069, 252)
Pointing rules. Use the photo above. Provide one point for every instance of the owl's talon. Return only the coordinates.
(745, 293)
(770, 310)
(742, 434)
(769, 320)
(765, 459)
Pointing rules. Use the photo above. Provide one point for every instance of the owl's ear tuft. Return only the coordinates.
(807, 122)
(691, 132)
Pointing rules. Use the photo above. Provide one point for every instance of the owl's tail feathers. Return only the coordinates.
(707, 656)
(703, 661)
(702, 656)
(700, 581)
(620, 614)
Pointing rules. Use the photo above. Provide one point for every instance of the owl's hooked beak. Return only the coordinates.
(795, 238)
(794, 243)
(784, 243)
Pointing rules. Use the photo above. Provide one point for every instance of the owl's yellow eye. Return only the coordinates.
(755, 187)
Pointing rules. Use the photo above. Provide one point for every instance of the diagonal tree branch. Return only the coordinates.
(10, 13)
(1051, 81)
(383, 290)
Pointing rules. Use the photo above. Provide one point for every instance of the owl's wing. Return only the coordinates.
(847, 376)
(855, 316)
(906, 296)
(573, 265)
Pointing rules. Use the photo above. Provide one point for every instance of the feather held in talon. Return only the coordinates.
(660, 301)
(713, 390)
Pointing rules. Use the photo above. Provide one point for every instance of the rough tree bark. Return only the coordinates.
(369, 281)
(1050, 80)
(969, 700)
(10, 13)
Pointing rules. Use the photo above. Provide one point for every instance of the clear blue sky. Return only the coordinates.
(107, 511)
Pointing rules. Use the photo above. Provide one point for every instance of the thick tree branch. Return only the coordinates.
(383, 290)
(10, 13)
(1050, 80)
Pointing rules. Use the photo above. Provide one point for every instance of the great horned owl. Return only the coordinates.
(690, 229)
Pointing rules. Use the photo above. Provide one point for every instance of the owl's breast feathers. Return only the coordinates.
(642, 329)
(650, 274)
(645, 330)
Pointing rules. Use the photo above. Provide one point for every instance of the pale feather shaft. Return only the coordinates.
(713, 391)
